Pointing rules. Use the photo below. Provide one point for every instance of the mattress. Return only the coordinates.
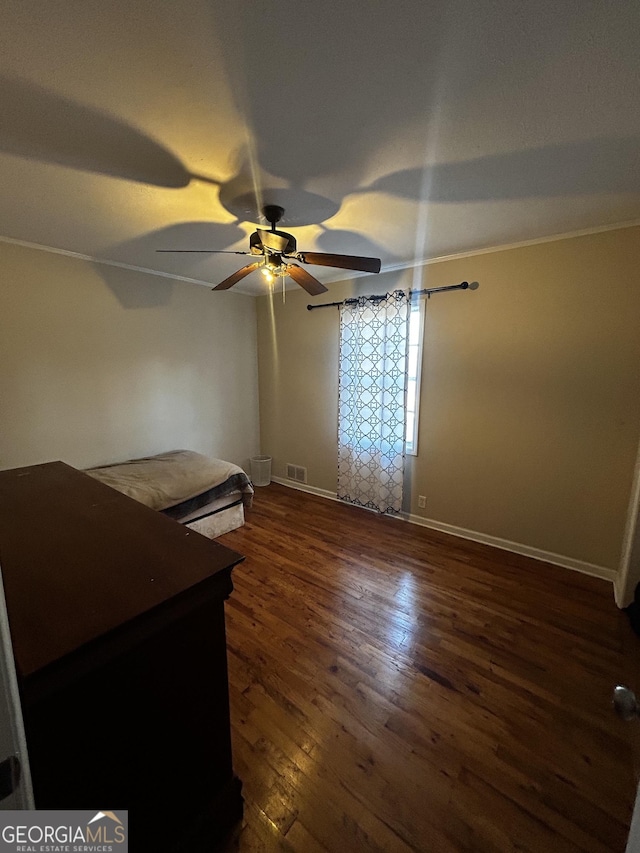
(208, 495)
(175, 478)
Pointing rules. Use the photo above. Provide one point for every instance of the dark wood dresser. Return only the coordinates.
(117, 620)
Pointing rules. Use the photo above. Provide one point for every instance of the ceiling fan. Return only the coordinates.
(276, 250)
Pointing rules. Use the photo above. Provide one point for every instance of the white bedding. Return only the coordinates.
(168, 479)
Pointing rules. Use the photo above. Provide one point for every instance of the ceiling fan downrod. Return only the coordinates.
(273, 213)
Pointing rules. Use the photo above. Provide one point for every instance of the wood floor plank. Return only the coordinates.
(397, 689)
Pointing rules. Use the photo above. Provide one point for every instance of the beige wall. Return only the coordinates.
(99, 364)
(530, 404)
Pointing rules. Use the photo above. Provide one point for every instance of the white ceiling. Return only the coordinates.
(404, 130)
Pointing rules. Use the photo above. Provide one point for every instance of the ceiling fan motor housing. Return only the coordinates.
(257, 248)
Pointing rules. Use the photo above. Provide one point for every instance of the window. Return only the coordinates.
(414, 364)
(371, 400)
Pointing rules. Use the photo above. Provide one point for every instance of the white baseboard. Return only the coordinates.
(622, 595)
(516, 548)
(303, 487)
(483, 538)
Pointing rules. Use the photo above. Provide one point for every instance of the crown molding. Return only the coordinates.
(102, 261)
(403, 265)
(487, 250)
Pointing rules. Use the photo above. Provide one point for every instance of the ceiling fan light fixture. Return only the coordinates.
(278, 249)
(267, 273)
(270, 270)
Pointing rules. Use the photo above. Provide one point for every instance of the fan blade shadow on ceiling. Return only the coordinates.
(41, 125)
(596, 166)
(337, 241)
(395, 59)
(186, 235)
(240, 196)
(141, 252)
(245, 200)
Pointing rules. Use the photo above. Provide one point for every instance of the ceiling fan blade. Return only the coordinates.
(207, 251)
(343, 262)
(273, 240)
(306, 280)
(237, 276)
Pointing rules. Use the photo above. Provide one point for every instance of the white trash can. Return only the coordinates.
(260, 470)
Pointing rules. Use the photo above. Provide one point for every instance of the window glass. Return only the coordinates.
(416, 326)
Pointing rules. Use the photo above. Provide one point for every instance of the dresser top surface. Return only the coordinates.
(79, 560)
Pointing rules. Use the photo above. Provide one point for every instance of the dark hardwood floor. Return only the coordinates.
(393, 688)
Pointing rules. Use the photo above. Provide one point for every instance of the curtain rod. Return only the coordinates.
(464, 285)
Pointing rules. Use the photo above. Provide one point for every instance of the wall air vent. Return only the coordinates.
(297, 473)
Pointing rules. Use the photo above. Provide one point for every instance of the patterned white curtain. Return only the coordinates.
(372, 401)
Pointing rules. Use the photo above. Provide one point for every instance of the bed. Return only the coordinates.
(207, 495)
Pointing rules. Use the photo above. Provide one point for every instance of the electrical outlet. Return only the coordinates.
(422, 501)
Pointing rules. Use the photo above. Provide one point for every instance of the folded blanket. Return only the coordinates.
(169, 478)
